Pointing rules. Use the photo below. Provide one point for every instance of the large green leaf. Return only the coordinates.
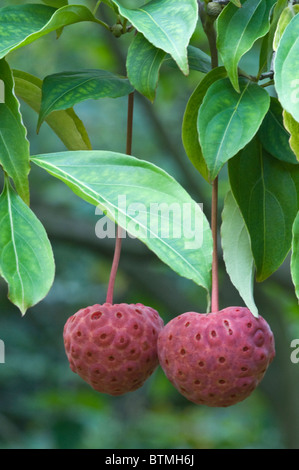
(189, 127)
(64, 90)
(167, 24)
(266, 194)
(26, 258)
(237, 252)
(274, 136)
(227, 120)
(286, 67)
(22, 24)
(14, 146)
(131, 190)
(292, 127)
(295, 255)
(238, 29)
(266, 54)
(286, 16)
(143, 64)
(66, 124)
(56, 3)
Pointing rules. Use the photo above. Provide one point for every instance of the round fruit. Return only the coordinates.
(214, 9)
(216, 359)
(113, 347)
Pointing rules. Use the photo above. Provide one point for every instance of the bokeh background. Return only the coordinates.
(43, 405)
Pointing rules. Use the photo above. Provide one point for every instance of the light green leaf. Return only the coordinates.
(266, 54)
(227, 120)
(64, 90)
(197, 60)
(286, 16)
(286, 68)
(26, 258)
(237, 252)
(295, 255)
(167, 24)
(134, 193)
(237, 31)
(237, 3)
(14, 146)
(266, 195)
(292, 127)
(66, 124)
(22, 24)
(274, 136)
(143, 64)
(56, 3)
(189, 127)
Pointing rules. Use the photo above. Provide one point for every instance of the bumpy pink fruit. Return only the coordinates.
(216, 359)
(113, 347)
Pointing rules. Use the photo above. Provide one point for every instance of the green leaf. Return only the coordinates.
(66, 124)
(295, 255)
(26, 258)
(266, 54)
(237, 252)
(197, 60)
(237, 31)
(56, 3)
(286, 68)
(130, 190)
(167, 24)
(286, 16)
(266, 195)
(143, 64)
(22, 24)
(189, 127)
(227, 120)
(274, 136)
(14, 146)
(237, 3)
(64, 90)
(292, 127)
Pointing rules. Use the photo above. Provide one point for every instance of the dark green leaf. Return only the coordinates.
(227, 120)
(189, 128)
(237, 31)
(237, 252)
(167, 24)
(286, 67)
(22, 24)
(66, 124)
(14, 146)
(197, 60)
(143, 64)
(266, 194)
(134, 192)
(26, 258)
(64, 90)
(56, 3)
(274, 136)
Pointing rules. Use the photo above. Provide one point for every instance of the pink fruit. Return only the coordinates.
(113, 347)
(216, 359)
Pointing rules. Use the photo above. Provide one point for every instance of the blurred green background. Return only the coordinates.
(43, 405)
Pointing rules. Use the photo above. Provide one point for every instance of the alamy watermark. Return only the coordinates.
(181, 221)
(2, 352)
(2, 92)
(295, 353)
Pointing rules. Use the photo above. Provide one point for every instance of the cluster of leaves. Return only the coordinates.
(230, 119)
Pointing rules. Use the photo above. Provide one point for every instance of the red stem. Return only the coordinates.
(118, 240)
(215, 288)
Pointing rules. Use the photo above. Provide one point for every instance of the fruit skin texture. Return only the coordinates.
(216, 359)
(113, 347)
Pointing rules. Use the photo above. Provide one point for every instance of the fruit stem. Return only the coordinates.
(214, 225)
(119, 232)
